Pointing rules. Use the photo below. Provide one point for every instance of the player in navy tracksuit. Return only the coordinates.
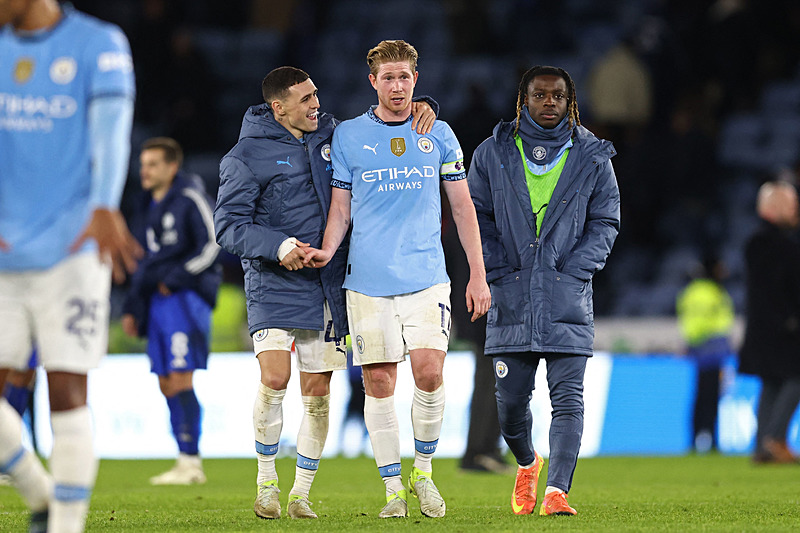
(172, 294)
(547, 202)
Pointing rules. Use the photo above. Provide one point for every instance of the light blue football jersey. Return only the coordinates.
(393, 174)
(47, 81)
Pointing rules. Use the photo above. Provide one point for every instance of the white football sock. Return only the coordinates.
(267, 425)
(427, 411)
(74, 467)
(550, 489)
(310, 442)
(29, 476)
(384, 434)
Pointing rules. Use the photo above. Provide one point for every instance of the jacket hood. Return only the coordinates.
(593, 146)
(259, 123)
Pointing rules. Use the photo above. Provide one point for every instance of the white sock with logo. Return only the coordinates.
(384, 434)
(310, 442)
(267, 426)
(74, 467)
(427, 411)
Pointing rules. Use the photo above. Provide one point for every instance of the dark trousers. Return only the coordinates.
(484, 427)
(776, 405)
(706, 403)
(514, 379)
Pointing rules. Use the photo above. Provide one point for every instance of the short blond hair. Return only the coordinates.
(391, 52)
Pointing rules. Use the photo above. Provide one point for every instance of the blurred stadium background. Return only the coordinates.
(701, 98)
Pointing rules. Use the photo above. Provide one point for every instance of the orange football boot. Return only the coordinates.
(555, 503)
(523, 500)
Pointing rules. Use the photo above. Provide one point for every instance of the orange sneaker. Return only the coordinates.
(555, 503)
(523, 500)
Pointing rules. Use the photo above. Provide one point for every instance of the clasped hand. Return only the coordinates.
(297, 258)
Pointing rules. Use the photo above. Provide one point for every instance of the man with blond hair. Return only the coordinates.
(386, 187)
(273, 198)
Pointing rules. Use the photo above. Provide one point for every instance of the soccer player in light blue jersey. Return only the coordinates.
(66, 109)
(386, 187)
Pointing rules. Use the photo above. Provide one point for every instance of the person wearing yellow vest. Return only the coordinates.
(547, 203)
(705, 318)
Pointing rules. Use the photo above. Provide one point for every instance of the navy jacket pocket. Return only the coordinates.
(571, 300)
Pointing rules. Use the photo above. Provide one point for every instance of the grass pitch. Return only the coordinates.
(692, 493)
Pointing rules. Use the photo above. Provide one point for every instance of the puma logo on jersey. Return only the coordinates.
(373, 148)
(285, 162)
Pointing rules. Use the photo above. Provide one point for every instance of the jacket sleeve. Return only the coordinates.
(137, 299)
(196, 229)
(601, 229)
(480, 188)
(234, 215)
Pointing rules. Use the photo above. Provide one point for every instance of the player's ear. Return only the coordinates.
(416, 76)
(373, 80)
(277, 107)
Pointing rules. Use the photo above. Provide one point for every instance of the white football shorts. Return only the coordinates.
(317, 351)
(385, 328)
(61, 311)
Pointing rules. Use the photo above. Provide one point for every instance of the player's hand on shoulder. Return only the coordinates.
(114, 242)
(423, 117)
(4, 246)
(479, 297)
(294, 260)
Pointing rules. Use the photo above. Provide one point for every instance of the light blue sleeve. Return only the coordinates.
(452, 156)
(342, 174)
(110, 122)
(108, 56)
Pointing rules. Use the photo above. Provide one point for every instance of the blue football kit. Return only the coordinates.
(48, 83)
(393, 174)
(178, 332)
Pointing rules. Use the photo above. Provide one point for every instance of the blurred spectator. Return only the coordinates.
(771, 348)
(620, 94)
(706, 317)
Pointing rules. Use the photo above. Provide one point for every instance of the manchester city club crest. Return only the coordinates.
(63, 70)
(325, 151)
(260, 335)
(425, 145)
(23, 70)
(539, 153)
(501, 369)
(398, 146)
(360, 344)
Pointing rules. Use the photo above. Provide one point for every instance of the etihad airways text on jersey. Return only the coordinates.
(396, 173)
